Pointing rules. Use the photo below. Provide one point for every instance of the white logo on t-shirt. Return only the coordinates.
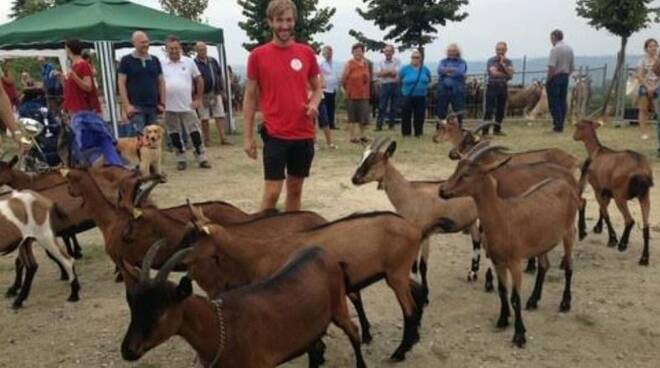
(296, 64)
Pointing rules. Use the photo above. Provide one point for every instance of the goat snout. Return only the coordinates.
(453, 154)
(129, 353)
(442, 193)
(356, 180)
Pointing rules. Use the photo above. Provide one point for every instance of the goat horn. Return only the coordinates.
(148, 260)
(477, 147)
(144, 194)
(482, 126)
(164, 271)
(475, 157)
(381, 144)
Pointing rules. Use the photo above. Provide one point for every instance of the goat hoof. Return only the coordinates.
(565, 306)
(644, 261)
(367, 338)
(519, 340)
(612, 243)
(598, 229)
(17, 305)
(489, 287)
(502, 323)
(119, 278)
(623, 247)
(73, 298)
(472, 276)
(399, 355)
(532, 305)
(77, 255)
(11, 293)
(64, 277)
(582, 235)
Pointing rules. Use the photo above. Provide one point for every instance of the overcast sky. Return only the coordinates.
(524, 24)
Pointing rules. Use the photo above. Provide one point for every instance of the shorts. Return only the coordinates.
(644, 102)
(212, 107)
(324, 120)
(294, 156)
(176, 122)
(358, 111)
(143, 116)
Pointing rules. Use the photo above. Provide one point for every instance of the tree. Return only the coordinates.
(311, 20)
(22, 8)
(190, 9)
(622, 18)
(411, 24)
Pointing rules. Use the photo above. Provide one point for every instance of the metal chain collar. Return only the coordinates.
(217, 304)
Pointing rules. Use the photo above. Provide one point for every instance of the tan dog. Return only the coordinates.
(146, 150)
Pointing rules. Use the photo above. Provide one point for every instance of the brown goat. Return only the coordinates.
(123, 236)
(529, 225)
(373, 246)
(418, 201)
(256, 326)
(464, 140)
(618, 175)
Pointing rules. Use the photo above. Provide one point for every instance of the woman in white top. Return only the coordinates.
(648, 84)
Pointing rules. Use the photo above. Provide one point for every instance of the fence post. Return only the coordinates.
(604, 77)
(524, 69)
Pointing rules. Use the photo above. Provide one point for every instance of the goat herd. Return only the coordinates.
(275, 281)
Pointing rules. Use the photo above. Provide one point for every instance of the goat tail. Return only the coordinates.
(639, 184)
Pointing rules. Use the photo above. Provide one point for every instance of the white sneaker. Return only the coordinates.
(645, 136)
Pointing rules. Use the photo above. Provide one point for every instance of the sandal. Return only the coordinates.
(364, 140)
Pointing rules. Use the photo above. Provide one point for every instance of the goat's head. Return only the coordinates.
(156, 304)
(469, 139)
(585, 129)
(6, 170)
(470, 172)
(131, 195)
(373, 163)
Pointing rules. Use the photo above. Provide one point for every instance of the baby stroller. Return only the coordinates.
(42, 129)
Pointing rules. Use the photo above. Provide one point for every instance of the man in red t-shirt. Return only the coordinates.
(282, 73)
(79, 89)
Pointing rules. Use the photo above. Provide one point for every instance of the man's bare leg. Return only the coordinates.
(294, 188)
(220, 127)
(272, 190)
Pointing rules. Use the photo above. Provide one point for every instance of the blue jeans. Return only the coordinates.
(388, 96)
(557, 89)
(142, 117)
(455, 97)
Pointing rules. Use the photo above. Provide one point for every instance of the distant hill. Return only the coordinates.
(535, 67)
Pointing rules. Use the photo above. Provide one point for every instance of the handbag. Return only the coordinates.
(406, 101)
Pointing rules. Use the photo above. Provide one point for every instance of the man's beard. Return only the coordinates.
(289, 36)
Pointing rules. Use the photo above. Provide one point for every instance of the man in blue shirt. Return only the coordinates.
(500, 71)
(52, 85)
(451, 84)
(212, 104)
(141, 86)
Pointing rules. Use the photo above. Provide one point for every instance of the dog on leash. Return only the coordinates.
(144, 150)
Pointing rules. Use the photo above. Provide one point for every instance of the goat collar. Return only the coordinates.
(217, 305)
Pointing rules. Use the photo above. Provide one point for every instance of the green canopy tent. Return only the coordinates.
(106, 25)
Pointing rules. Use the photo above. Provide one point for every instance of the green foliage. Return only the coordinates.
(190, 9)
(620, 17)
(311, 21)
(22, 8)
(409, 23)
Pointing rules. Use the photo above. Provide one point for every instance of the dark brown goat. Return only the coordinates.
(618, 175)
(256, 326)
(373, 246)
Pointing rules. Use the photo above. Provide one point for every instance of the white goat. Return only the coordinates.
(26, 216)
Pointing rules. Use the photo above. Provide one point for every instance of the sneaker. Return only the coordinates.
(181, 166)
(333, 146)
(204, 165)
(645, 137)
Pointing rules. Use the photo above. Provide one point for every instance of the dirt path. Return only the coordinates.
(616, 303)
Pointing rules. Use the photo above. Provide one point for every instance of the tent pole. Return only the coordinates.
(105, 52)
(229, 122)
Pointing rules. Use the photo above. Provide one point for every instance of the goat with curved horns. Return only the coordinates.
(418, 201)
(618, 175)
(528, 225)
(256, 326)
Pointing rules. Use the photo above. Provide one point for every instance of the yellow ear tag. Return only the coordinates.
(206, 230)
(137, 213)
(64, 172)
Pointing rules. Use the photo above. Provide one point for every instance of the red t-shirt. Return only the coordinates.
(283, 74)
(75, 98)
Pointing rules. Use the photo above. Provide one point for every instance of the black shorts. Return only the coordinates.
(294, 156)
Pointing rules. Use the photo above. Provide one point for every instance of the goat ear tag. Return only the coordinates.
(137, 213)
(206, 230)
(64, 172)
